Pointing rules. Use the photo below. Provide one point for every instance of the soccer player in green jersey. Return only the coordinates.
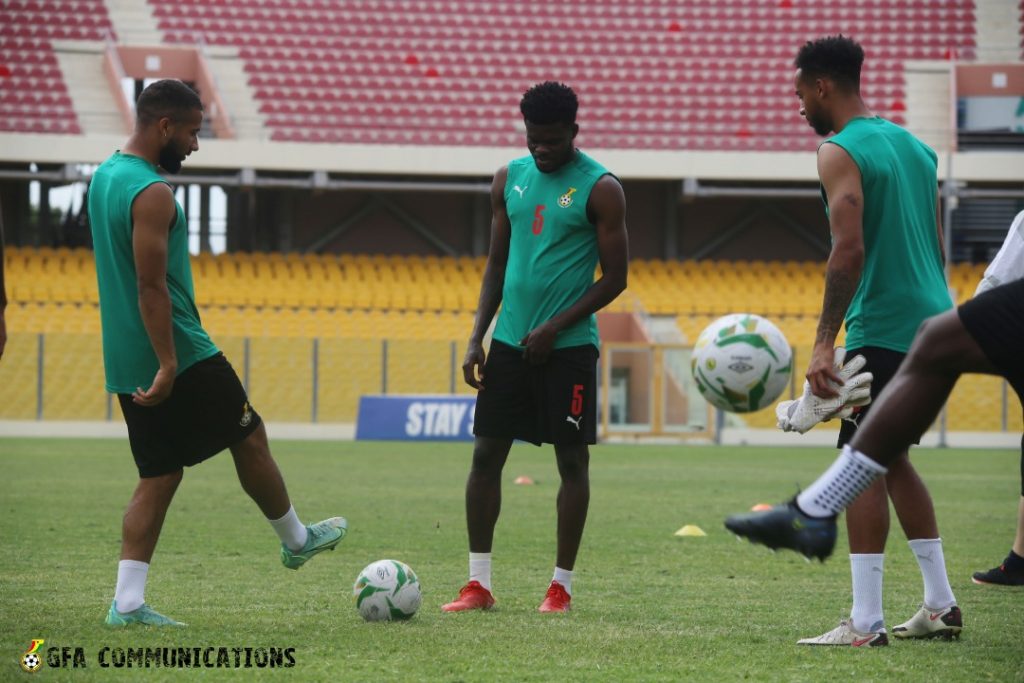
(181, 399)
(884, 278)
(557, 213)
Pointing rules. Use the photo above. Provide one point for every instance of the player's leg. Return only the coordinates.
(503, 413)
(569, 397)
(483, 492)
(1011, 571)
(939, 615)
(867, 525)
(160, 473)
(140, 531)
(942, 351)
(261, 479)
(483, 506)
(573, 501)
(946, 346)
(572, 504)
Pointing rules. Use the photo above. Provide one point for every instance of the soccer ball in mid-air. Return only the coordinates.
(387, 590)
(741, 363)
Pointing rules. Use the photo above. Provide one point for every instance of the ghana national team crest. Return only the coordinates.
(32, 661)
(246, 416)
(565, 201)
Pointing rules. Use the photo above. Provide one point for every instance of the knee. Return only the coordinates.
(574, 465)
(485, 466)
(169, 482)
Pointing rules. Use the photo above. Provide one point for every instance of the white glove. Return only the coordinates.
(802, 414)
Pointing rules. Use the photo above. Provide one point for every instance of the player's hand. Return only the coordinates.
(822, 374)
(538, 343)
(473, 365)
(808, 410)
(159, 391)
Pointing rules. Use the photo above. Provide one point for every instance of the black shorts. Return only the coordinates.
(207, 412)
(995, 320)
(551, 403)
(882, 364)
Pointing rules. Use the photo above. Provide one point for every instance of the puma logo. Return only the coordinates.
(576, 422)
(928, 557)
(520, 190)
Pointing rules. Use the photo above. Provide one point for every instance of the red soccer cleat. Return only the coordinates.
(472, 596)
(557, 600)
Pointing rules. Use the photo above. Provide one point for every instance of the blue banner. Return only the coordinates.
(416, 418)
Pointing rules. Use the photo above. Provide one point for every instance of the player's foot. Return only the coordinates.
(322, 536)
(845, 634)
(144, 615)
(932, 623)
(556, 600)
(785, 526)
(472, 596)
(999, 576)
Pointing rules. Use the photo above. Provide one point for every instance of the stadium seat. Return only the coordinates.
(667, 60)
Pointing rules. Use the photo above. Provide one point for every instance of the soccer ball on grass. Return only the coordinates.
(387, 590)
(741, 363)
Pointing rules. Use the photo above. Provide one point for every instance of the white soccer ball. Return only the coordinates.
(387, 590)
(741, 363)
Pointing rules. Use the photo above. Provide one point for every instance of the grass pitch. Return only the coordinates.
(647, 606)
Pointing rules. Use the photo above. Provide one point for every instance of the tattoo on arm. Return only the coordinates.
(839, 290)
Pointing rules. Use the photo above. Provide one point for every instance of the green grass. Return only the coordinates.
(648, 606)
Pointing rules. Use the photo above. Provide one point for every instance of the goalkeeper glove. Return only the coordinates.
(802, 414)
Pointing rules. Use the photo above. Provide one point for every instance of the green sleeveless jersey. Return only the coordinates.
(903, 281)
(552, 251)
(128, 356)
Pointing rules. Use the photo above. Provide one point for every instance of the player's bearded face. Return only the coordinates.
(180, 140)
(170, 157)
(810, 105)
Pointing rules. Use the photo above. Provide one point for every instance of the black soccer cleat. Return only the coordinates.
(999, 576)
(785, 526)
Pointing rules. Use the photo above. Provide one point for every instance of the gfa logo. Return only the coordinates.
(31, 661)
(246, 416)
(565, 201)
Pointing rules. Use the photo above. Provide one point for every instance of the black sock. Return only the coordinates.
(1014, 563)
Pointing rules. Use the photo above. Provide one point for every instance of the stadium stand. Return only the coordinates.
(364, 296)
(283, 306)
(651, 75)
(33, 94)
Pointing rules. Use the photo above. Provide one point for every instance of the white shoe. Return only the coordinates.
(928, 623)
(845, 634)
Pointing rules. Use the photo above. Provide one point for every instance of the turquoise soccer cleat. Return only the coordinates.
(322, 536)
(144, 615)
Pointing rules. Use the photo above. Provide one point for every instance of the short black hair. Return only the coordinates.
(549, 102)
(166, 98)
(835, 57)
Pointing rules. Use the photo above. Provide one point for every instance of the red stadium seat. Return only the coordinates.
(650, 74)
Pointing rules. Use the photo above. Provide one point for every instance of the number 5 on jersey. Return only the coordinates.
(538, 219)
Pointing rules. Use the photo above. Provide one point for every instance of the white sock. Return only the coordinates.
(850, 475)
(866, 614)
(131, 585)
(480, 569)
(564, 577)
(937, 592)
(290, 530)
